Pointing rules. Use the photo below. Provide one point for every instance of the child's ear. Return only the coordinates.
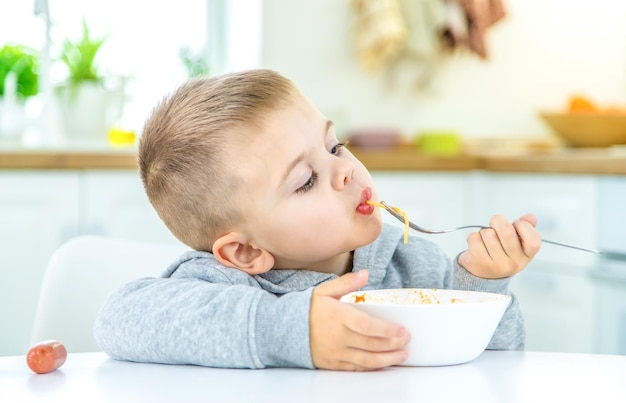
(233, 250)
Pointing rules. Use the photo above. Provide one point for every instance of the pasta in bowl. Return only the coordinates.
(447, 327)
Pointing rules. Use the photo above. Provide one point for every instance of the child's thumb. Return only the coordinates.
(343, 285)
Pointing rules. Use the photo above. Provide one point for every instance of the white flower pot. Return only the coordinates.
(12, 120)
(88, 111)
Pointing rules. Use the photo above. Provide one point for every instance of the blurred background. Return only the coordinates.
(538, 55)
(460, 108)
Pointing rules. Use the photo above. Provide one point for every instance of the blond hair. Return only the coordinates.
(184, 147)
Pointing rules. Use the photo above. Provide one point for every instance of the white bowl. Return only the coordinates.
(447, 327)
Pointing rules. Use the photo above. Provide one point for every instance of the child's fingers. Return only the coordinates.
(504, 238)
(528, 237)
(379, 344)
(366, 325)
(359, 360)
(343, 285)
(336, 345)
(529, 218)
(519, 240)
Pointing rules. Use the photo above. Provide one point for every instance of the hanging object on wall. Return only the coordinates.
(421, 57)
(409, 37)
(479, 16)
(380, 32)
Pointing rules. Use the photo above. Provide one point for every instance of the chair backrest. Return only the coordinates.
(81, 274)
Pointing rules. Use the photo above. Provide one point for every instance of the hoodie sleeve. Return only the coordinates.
(192, 321)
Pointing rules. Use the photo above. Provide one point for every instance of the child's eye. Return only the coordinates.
(309, 183)
(338, 148)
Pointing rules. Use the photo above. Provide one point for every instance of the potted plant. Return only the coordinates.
(19, 80)
(24, 62)
(80, 58)
(84, 100)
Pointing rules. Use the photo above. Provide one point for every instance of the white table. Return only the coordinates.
(500, 377)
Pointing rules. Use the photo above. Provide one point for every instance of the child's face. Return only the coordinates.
(305, 198)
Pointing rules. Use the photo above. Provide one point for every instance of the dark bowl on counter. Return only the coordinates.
(375, 138)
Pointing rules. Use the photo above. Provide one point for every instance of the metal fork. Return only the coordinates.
(416, 227)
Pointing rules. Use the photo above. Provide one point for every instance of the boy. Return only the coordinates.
(247, 172)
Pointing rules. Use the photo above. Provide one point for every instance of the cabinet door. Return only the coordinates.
(38, 212)
(565, 206)
(612, 213)
(555, 291)
(431, 200)
(115, 204)
(557, 302)
(610, 324)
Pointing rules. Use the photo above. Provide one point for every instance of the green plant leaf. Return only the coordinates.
(80, 56)
(24, 61)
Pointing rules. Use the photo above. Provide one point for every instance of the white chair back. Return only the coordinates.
(81, 274)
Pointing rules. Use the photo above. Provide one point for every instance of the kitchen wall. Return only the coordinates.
(540, 54)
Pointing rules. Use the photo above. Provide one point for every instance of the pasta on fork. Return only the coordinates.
(397, 210)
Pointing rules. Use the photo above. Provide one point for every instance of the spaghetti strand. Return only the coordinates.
(397, 210)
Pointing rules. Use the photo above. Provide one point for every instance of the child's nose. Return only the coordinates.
(344, 174)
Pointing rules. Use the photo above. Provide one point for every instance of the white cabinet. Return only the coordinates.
(565, 207)
(610, 298)
(555, 290)
(612, 213)
(38, 211)
(557, 301)
(113, 203)
(432, 200)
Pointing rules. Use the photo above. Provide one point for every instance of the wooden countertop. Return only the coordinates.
(602, 161)
(564, 161)
(609, 161)
(30, 159)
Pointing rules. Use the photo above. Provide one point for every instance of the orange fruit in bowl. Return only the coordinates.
(579, 103)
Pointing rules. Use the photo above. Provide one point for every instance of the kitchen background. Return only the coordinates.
(538, 55)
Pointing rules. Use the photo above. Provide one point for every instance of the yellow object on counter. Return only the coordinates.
(121, 137)
(439, 143)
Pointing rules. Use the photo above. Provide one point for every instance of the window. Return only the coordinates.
(143, 39)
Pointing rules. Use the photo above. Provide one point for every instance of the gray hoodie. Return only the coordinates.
(200, 312)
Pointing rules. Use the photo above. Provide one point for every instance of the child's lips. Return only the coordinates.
(366, 194)
(363, 207)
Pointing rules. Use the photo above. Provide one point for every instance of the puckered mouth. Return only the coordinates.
(364, 207)
(366, 194)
